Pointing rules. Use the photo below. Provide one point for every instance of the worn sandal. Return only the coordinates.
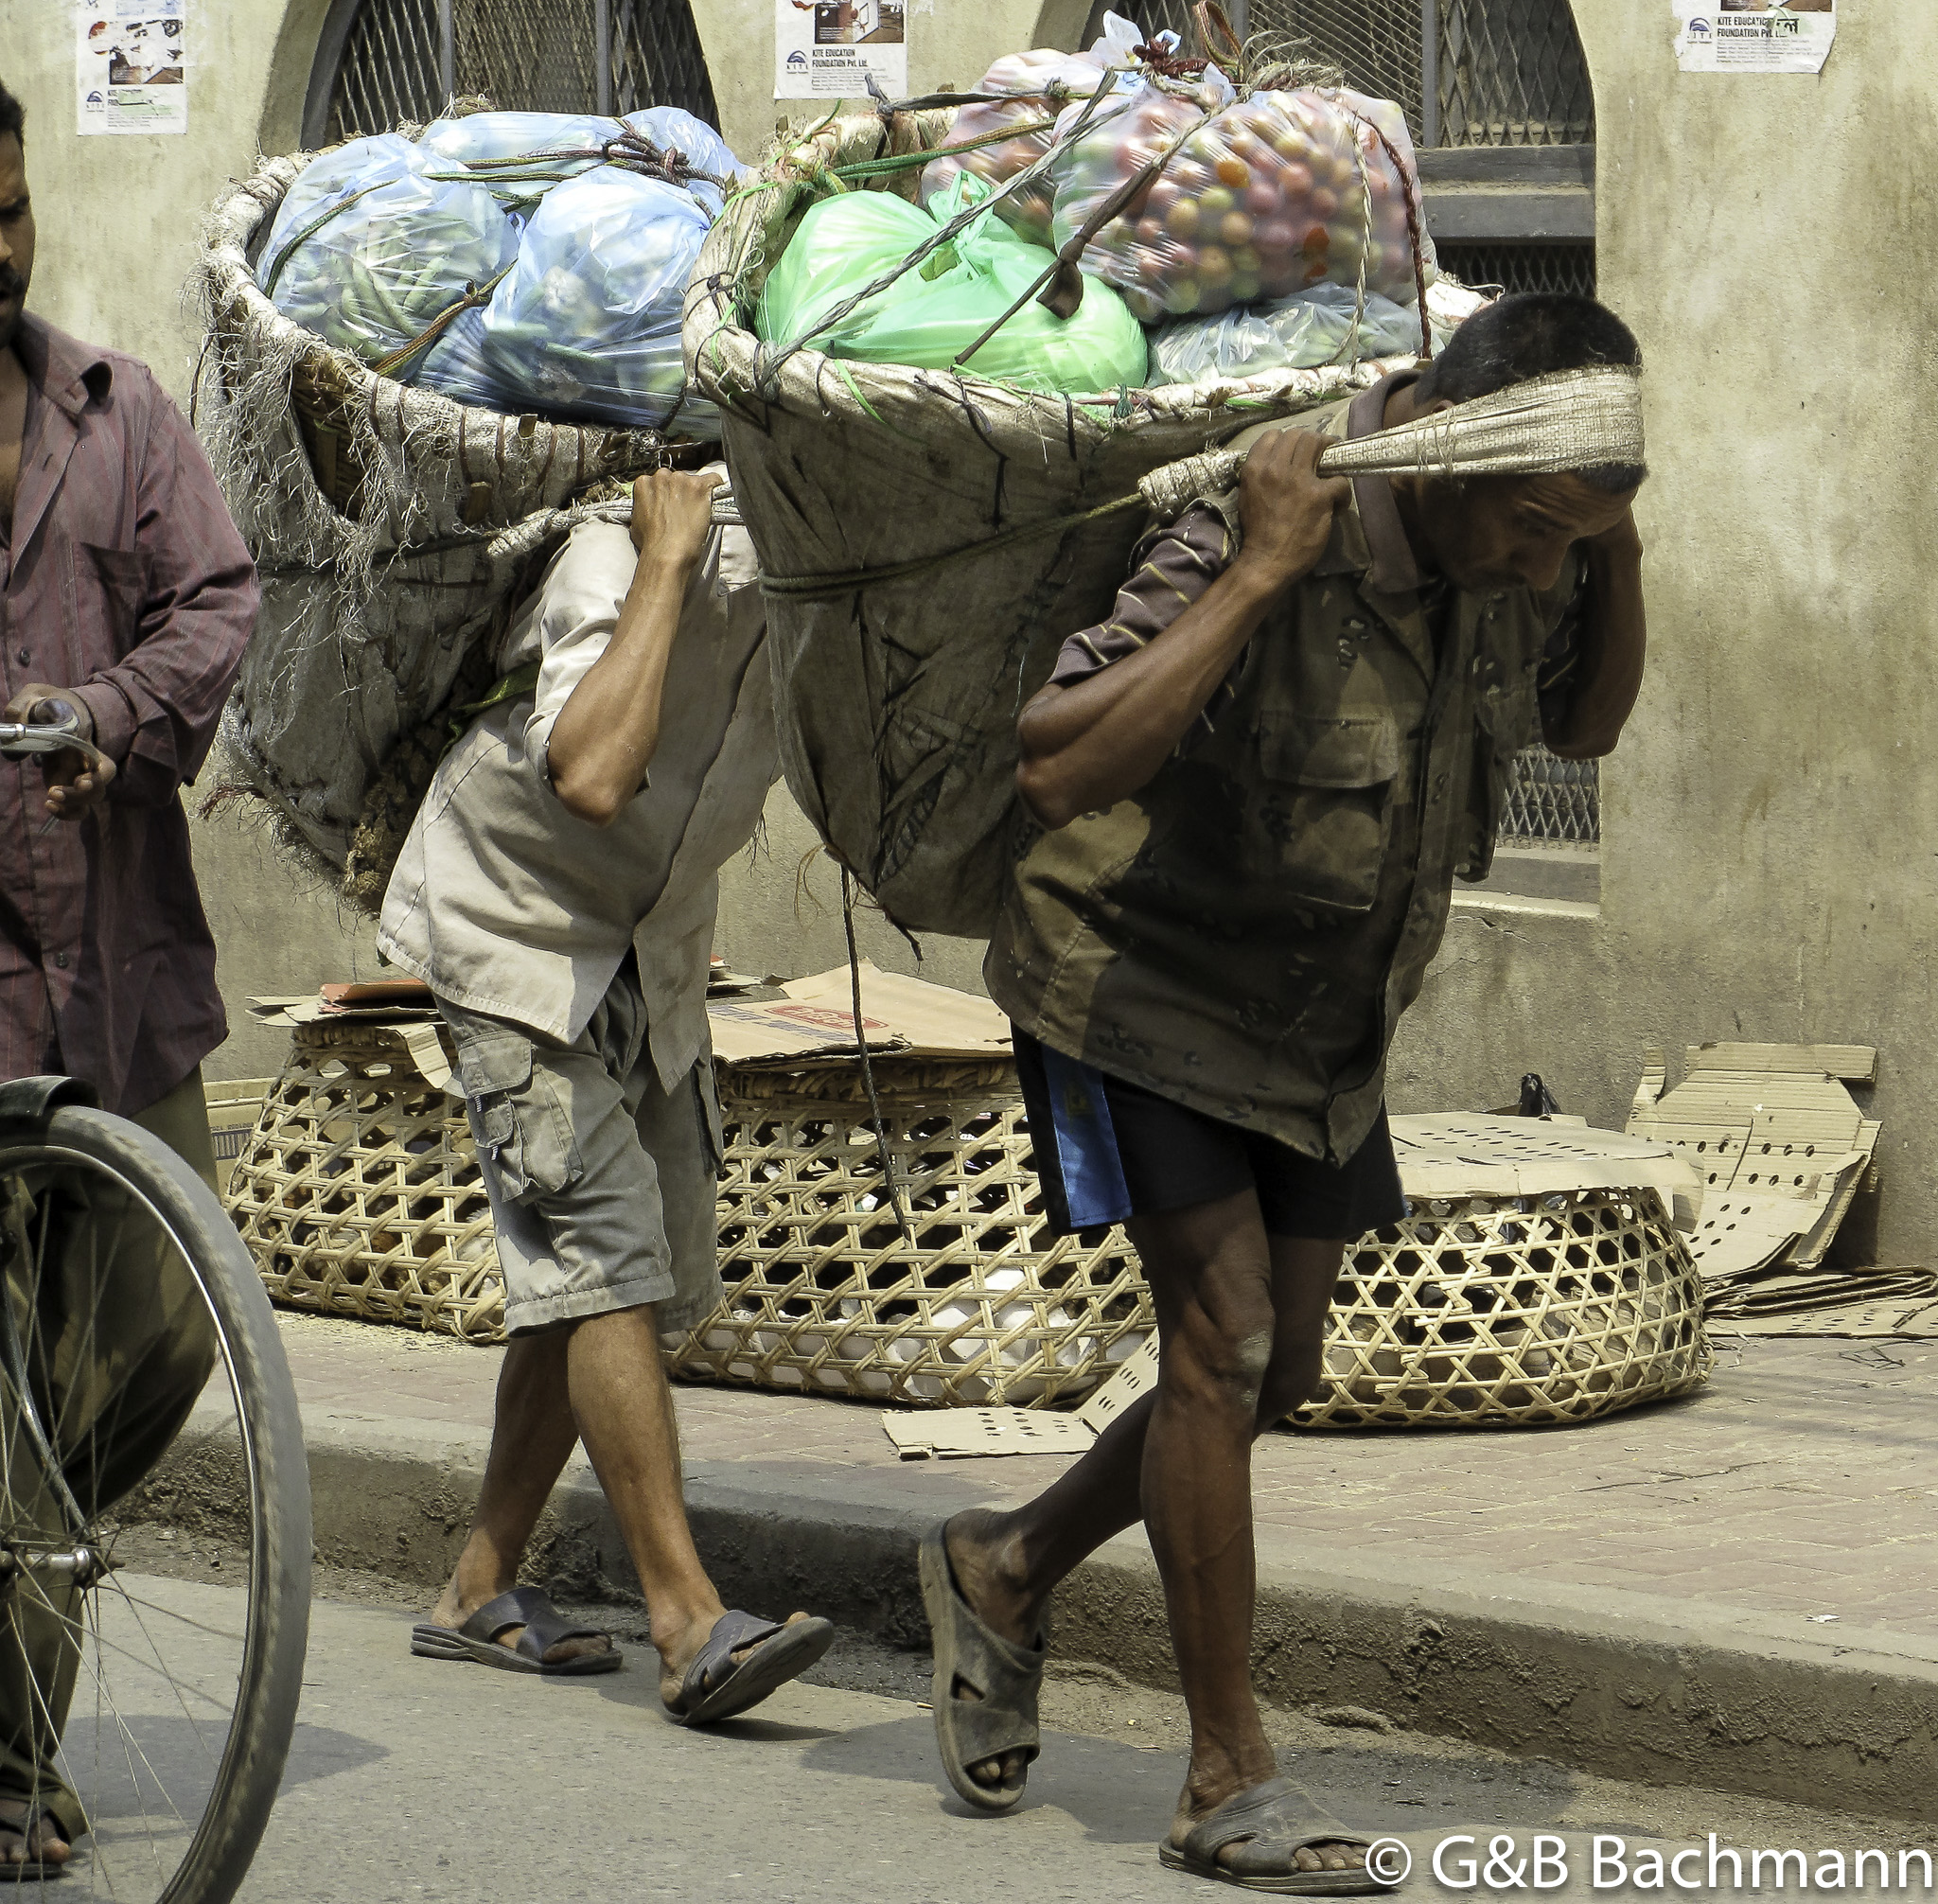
(1272, 1824)
(544, 1628)
(32, 1870)
(715, 1687)
(1007, 1678)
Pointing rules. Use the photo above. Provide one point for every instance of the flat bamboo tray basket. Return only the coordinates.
(823, 1293)
(359, 1191)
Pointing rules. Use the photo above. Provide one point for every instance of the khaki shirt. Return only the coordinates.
(506, 903)
(1243, 935)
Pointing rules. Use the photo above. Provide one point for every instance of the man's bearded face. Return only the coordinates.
(17, 238)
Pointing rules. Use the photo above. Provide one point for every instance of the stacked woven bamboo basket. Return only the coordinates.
(360, 1192)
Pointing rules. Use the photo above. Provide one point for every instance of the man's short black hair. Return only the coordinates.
(1529, 334)
(13, 116)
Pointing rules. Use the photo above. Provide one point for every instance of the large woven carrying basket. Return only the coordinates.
(359, 1191)
(824, 1293)
(1492, 1311)
(388, 523)
(898, 696)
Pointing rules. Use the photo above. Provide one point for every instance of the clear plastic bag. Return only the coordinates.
(367, 251)
(1037, 85)
(1271, 195)
(707, 154)
(935, 310)
(1302, 332)
(587, 323)
(525, 154)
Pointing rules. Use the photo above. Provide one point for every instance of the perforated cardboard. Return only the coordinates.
(1781, 1144)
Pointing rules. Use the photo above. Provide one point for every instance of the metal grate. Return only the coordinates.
(1375, 42)
(388, 71)
(1511, 74)
(1505, 72)
(1521, 267)
(1552, 801)
(533, 56)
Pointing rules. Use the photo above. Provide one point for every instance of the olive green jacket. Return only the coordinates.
(1243, 935)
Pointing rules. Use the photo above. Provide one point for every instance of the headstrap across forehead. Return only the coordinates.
(1569, 420)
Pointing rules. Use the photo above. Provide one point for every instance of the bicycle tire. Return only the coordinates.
(270, 1683)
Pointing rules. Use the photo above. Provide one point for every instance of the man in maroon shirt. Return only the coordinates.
(126, 594)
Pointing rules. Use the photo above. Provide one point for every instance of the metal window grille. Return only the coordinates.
(380, 62)
(1561, 267)
(1467, 72)
(1552, 801)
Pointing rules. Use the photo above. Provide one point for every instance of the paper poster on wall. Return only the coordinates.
(828, 49)
(131, 65)
(1754, 36)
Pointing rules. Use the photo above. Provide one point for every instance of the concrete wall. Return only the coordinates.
(1770, 820)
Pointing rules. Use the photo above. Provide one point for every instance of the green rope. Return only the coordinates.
(805, 587)
(309, 231)
(902, 162)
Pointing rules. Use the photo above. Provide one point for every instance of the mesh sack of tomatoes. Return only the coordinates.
(1035, 87)
(1256, 199)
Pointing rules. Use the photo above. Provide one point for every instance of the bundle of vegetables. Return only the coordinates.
(520, 155)
(586, 322)
(1259, 196)
(931, 314)
(1328, 323)
(1034, 86)
(369, 251)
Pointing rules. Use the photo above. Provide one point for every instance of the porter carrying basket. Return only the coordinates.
(928, 538)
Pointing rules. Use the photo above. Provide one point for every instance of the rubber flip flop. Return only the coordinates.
(1007, 1679)
(544, 1628)
(1270, 1824)
(716, 1686)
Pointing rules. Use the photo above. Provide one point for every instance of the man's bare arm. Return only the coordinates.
(609, 730)
(1614, 639)
(1087, 746)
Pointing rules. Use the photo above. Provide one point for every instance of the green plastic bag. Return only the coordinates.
(939, 308)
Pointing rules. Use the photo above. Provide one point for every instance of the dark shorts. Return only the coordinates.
(1106, 1149)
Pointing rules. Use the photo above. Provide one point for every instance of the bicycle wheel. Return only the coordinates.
(154, 1514)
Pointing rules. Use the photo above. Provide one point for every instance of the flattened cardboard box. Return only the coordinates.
(1781, 1144)
(902, 1018)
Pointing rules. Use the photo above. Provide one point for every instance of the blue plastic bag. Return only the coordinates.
(523, 155)
(367, 251)
(587, 325)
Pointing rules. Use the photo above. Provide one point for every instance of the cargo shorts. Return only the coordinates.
(603, 1182)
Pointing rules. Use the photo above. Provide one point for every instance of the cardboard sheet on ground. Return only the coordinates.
(815, 1023)
(1445, 1154)
(1781, 1145)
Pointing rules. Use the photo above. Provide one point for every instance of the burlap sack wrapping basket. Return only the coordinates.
(899, 692)
(391, 527)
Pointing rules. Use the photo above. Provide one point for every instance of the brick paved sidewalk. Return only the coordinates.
(1802, 1481)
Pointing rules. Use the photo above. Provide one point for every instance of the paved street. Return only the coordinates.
(1803, 1481)
(414, 1779)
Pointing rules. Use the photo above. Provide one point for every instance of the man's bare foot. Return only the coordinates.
(454, 1608)
(988, 1570)
(1194, 1807)
(680, 1651)
(41, 1844)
